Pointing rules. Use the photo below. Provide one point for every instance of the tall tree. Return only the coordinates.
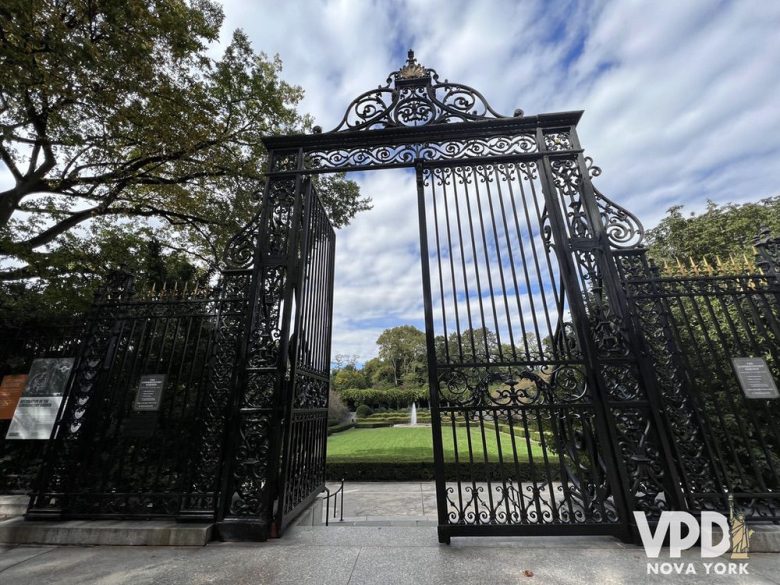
(404, 348)
(379, 373)
(473, 345)
(117, 124)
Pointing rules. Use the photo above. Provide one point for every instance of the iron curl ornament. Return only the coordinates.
(414, 96)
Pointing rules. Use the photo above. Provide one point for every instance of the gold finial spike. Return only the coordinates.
(732, 263)
(694, 268)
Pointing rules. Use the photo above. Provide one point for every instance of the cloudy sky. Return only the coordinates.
(680, 98)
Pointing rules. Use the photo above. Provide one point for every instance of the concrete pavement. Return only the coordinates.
(355, 555)
(388, 537)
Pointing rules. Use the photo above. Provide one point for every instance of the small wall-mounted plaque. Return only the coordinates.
(149, 395)
(755, 378)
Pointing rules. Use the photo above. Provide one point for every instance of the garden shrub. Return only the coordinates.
(364, 411)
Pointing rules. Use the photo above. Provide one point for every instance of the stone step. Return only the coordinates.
(111, 532)
(11, 506)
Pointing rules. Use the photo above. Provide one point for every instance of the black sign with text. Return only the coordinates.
(149, 395)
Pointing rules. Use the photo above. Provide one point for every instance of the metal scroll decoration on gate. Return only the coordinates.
(414, 96)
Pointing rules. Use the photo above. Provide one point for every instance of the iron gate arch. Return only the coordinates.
(610, 460)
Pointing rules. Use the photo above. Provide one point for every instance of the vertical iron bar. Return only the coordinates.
(433, 383)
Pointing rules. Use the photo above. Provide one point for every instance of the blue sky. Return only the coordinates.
(680, 100)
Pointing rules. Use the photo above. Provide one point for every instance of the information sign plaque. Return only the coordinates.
(39, 404)
(755, 378)
(149, 395)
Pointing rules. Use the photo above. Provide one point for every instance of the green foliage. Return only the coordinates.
(403, 348)
(401, 396)
(119, 128)
(349, 377)
(29, 303)
(379, 373)
(363, 411)
(720, 231)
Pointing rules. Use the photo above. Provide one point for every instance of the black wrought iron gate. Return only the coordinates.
(308, 382)
(274, 462)
(544, 407)
(518, 429)
(556, 391)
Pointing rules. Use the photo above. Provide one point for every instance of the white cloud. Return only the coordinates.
(679, 99)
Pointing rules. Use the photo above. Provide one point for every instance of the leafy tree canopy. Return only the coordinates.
(720, 231)
(402, 347)
(119, 128)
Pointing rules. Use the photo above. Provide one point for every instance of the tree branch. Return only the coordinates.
(77, 217)
(9, 162)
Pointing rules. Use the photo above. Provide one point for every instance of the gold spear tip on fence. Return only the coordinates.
(694, 268)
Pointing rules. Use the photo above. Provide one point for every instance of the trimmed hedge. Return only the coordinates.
(424, 471)
(340, 427)
(395, 419)
(373, 424)
(503, 427)
(378, 396)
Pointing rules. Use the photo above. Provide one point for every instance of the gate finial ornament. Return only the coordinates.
(414, 96)
(412, 69)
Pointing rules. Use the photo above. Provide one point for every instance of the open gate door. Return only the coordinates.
(306, 388)
(520, 442)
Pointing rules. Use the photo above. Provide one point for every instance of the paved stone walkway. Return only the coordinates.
(388, 537)
(355, 555)
(404, 503)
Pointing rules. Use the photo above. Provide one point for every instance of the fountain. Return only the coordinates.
(413, 421)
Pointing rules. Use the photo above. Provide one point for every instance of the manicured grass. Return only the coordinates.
(416, 445)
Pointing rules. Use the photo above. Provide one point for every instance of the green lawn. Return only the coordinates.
(416, 444)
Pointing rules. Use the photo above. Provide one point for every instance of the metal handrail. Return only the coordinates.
(335, 503)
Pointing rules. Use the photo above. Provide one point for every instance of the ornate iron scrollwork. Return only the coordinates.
(413, 96)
